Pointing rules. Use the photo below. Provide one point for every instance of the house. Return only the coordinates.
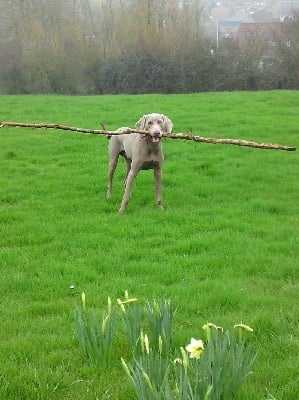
(266, 42)
(229, 26)
(270, 34)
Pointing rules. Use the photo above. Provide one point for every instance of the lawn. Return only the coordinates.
(224, 250)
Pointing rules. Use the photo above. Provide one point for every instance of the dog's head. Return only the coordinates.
(156, 124)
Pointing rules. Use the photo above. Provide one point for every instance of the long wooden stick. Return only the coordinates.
(236, 142)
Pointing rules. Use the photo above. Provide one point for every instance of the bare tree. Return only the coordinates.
(95, 46)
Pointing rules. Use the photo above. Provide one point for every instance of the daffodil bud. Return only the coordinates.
(178, 361)
(126, 368)
(241, 328)
(147, 380)
(109, 305)
(83, 300)
(160, 344)
(209, 392)
(185, 359)
(120, 303)
(146, 343)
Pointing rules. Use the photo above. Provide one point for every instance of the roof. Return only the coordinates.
(269, 32)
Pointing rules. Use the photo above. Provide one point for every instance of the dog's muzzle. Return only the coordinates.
(155, 138)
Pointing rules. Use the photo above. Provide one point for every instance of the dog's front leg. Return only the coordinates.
(128, 163)
(158, 186)
(129, 181)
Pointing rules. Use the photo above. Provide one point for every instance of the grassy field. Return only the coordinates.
(224, 250)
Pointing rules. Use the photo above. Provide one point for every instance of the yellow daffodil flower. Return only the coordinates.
(195, 348)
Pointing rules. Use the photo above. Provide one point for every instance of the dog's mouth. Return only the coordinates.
(155, 139)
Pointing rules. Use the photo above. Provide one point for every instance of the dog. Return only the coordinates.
(140, 152)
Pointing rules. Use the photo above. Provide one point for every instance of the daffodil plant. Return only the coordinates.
(159, 315)
(149, 372)
(218, 366)
(131, 315)
(95, 334)
(210, 368)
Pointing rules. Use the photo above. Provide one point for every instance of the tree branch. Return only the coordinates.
(236, 142)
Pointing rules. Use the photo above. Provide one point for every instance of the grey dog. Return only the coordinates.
(140, 152)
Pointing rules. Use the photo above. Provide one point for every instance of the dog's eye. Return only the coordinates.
(150, 123)
(160, 122)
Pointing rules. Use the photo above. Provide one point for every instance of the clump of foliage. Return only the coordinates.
(215, 369)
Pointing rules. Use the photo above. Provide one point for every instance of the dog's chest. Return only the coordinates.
(152, 158)
(150, 164)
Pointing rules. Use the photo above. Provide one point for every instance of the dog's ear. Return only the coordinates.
(167, 124)
(141, 123)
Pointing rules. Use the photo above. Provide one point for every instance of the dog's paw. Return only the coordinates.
(122, 207)
(108, 193)
(160, 206)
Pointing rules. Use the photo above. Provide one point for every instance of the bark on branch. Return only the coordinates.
(236, 142)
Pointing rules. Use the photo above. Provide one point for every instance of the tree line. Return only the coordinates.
(131, 46)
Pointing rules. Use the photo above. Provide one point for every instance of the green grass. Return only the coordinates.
(225, 249)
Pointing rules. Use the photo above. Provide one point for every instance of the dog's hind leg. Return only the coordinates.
(112, 167)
